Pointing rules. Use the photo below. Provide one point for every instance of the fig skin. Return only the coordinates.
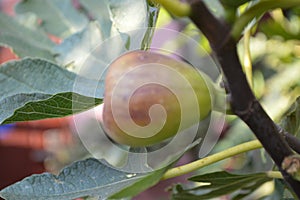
(144, 97)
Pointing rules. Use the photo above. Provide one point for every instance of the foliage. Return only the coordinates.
(47, 82)
(221, 183)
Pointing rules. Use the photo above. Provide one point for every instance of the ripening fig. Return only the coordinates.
(149, 97)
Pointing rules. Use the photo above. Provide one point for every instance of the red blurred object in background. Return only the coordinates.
(23, 147)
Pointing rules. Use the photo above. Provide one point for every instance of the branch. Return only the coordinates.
(243, 102)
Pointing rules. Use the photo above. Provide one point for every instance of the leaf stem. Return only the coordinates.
(193, 166)
(175, 7)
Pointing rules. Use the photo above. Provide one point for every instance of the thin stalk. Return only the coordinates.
(193, 166)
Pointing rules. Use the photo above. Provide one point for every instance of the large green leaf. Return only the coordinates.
(83, 178)
(26, 107)
(221, 183)
(88, 178)
(23, 40)
(39, 89)
(58, 17)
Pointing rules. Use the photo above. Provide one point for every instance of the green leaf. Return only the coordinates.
(29, 84)
(23, 40)
(154, 177)
(73, 51)
(100, 12)
(257, 10)
(86, 51)
(38, 106)
(89, 178)
(272, 28)
(140, 185)
(58, 17)
(291, 121)
(221, 183)
(81, 179)
(116, 16)
(128, 15)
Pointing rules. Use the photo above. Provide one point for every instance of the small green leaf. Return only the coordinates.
(58, 17)
(81, 179)
(222, 183)
(216, 178)
(23, 40)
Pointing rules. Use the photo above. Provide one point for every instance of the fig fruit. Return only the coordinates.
(150, 97)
